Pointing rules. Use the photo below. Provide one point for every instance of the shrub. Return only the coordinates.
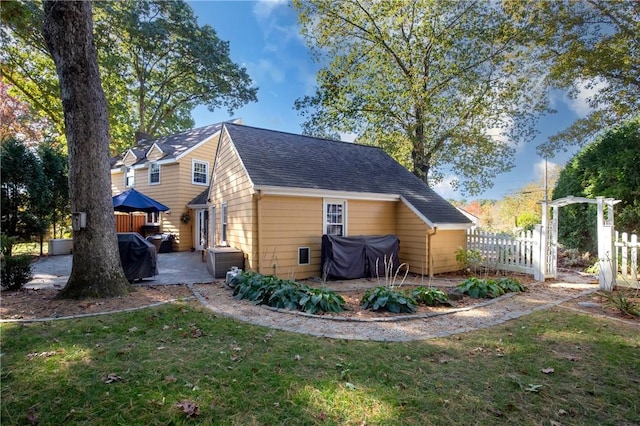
(623, 300)
(468, 259)
(15, 271)
(429, 296)
(272, 291)
(387, 299)
(482, 289)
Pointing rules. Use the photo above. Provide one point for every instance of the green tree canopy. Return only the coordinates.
(441, 85)
(607, 167)
(156, 64)
(590, 45)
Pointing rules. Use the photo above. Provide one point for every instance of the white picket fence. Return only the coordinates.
(504, 252)
(626, 247)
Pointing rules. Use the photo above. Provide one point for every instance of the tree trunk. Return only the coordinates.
(96, 269)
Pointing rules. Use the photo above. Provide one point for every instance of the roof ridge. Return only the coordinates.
(305, 136)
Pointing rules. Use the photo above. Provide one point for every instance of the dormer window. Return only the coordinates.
(129, 177)
(154, 174)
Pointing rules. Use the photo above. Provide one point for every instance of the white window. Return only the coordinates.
(154, 174)
(335, 218)
(129, 177)
(200, 172)
(153, 218)
(223, 223)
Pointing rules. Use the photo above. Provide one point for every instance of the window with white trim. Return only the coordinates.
(129, 177)
(153, 218)
(154, 174)
(223, 223)
(335, 218)
(199, 172)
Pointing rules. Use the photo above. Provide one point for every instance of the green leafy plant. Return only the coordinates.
(510, 285)
(272, 291)
(15, 271)
(429, 296)
(469, 260)
(623, 300)
(387, 299)
(318, 300)
(483, 289)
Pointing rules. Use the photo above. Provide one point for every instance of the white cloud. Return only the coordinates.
(553, 170)
(265, 69)
(348, 137)
(263, 9)
(446, 189)
(586, 89)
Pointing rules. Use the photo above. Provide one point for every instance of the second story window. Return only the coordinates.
(200, 172)
(129, 177)
(154, 174)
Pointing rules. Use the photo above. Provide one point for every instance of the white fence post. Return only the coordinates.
(539, 253)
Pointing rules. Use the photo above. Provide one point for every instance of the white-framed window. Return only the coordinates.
(153, 218)
(304, 256)
(154, 174)
(129, 177)
(199, 172)
(335, 218)
(223, 223)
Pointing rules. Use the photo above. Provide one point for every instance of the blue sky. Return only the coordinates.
(264, 38)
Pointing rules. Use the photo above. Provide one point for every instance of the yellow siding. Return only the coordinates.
(231, 185)
(175, 190)
(370, 217)
(287, 223)
(412, 233)
(443, 250)
(154, 154)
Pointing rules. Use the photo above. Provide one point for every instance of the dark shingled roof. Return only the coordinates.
(201, 199)
(287, 160)
(172, 146)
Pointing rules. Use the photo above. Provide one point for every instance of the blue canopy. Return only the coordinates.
(134, 201)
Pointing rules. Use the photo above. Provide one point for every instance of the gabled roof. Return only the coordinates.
(278, 159)
(172, 147)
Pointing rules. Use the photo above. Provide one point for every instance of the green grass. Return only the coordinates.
(240, 374)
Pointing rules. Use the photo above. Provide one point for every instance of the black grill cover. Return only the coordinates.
(347, 258)
(138, 256)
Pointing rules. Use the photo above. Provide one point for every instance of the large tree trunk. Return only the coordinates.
(96, 270)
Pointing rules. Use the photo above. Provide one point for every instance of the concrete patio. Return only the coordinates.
(174, 268)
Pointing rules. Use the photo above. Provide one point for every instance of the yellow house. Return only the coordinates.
(273, 195)
(174, 170)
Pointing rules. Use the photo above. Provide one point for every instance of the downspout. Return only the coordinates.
(258, 232)
(429, 260)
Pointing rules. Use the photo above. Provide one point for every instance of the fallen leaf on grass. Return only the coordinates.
(133, 329)
(44, 354)
(533, 388)
(32, 416)
(547, 370)
(112, 377)
(170, 379)
(350, 386)
(189, 408)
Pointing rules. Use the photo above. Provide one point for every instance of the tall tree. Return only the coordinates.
(607, 167)
(22, 190)
(588, 46)
(441, 85)
(157, 64)
(96, 269)
(56, 173)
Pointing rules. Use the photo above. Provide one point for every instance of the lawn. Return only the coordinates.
(180, 364)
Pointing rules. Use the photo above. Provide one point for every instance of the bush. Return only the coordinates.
(15, 271)
(483, 289)
(272, 291)
(469, 260)
(386, 299)
(429, 296)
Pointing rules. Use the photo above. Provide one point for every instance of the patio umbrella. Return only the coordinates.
(133, 201)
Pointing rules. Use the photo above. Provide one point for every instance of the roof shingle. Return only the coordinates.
(279, 159)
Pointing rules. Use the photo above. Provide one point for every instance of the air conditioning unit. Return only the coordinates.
(221, 259)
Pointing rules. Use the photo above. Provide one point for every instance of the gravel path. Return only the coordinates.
(402, 328)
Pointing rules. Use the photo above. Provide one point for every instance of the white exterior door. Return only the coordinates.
(202, 229)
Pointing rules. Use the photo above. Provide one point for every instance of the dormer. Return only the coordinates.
(155, 153)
